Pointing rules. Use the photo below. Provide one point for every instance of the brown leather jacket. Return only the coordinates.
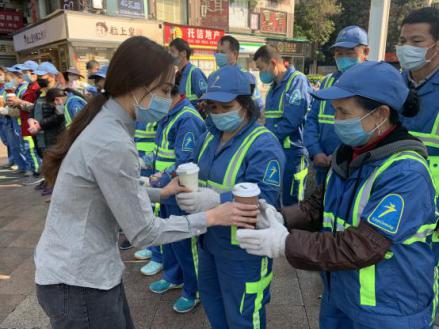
(356, 247)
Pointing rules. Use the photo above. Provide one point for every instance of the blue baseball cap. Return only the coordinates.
(377, 81)
(28, 66)
(102, 73)
(46, 68)
(227, 83)
(351, 37)
(14, 69)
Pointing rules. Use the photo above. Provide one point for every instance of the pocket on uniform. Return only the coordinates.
(53, 299)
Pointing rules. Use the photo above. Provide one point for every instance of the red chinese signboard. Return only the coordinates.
(197, 37)
(273, 21)
(214, 13)
(10, 21)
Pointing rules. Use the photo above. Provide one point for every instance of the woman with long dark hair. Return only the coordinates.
(97, 190)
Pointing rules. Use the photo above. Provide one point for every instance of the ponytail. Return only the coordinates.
(54, 155)
(411, 106)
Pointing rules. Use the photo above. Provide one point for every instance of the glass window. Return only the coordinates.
(173, 11)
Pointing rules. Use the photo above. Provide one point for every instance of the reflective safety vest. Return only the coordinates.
(229, 179)
(165, 156)
(188, 89)
(277, 114)
(145, 139)
(326, 118)
(367, 275)
(68, 118)
(21, 90)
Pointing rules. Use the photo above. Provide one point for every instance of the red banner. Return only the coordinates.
(10, 21)
(197, 37)
(273, 21)
(215, 13)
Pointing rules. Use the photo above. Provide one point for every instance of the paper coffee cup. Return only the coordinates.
(10, 95)
(188, 175)
(247, 193)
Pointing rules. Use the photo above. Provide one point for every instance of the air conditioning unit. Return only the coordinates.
(97, 4)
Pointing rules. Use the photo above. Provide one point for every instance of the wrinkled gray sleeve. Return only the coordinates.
(117, 175)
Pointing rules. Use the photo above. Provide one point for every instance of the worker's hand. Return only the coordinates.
(322, 160)
(4, 111)
(267, 242)
(202, 200)
(267, 211)
(12, 100)
(172, 188)
(233, 213)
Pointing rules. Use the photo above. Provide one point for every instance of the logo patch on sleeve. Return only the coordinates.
(295, 97)
(272, 173)
(188, 142)
(387, 215)
(203, 85)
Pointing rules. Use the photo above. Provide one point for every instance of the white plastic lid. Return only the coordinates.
(187, 169)
(246, 190)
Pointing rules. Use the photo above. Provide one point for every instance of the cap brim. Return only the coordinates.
(219, 96)
(13, 69)
(332, 93)
(41, 72)
(345, 44)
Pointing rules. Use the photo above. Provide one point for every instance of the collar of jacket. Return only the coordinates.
(399, 140)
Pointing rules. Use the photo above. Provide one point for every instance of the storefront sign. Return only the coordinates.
(10, 21)
(273, 21)
(6, 48)
(111, 29)
(238, 14)
(215, 13)
(132, 8)
(288, 48)
(41, 34)
(197, 37)
(254, 21)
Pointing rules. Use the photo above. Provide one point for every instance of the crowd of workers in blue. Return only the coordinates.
(370, 132)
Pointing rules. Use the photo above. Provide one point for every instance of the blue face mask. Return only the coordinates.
(156, 110)
(351, 131)
(228, 122)
(27, 78)
(221, 59)
(266, 77)
(345, 63)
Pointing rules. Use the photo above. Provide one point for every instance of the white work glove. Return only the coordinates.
(267, 211)
(202, 200)
(267, 242)
(4, 110)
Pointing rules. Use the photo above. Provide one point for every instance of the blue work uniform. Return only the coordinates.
(319, 134)
(15, 138)
(286, 105)
(234, 286)
(72, 106)
(177, 135)
(5, 128)
(193, 83)
(400, 291)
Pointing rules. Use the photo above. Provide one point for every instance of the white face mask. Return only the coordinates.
(413, 58)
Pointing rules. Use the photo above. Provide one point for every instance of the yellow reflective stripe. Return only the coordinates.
(421, 235)
(163, 165)
(258, 289)
(300, 177)
(328, 220)
(435, 236)
(287, 143)
(194, 247)
(166, 153)
(367, 286)
(322, 117)
(388, 255)
(436, 295)
(206, 142)
(146, 147)
(188, 89)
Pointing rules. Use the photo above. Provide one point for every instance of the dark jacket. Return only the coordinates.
(51, 122)
(357, 247)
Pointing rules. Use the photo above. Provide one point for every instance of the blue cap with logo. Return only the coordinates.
(102, 73)
(377, 81)
(14, 68)
(227, 83)
(28, 66)
(46, 68)
(351, 37)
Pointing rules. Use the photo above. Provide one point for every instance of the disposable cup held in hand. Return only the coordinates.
(247, 193)
(188, 175)
(10, 95)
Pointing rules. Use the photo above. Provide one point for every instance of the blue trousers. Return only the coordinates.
(16, 145)
(5, 124)
(157, 255)
(234, 292)
(332, 317)
(294, 179)
(180, 263)
(32, 158)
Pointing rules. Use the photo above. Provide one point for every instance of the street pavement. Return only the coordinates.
(295, 293)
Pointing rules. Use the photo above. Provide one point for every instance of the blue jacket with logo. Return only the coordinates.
(296, 103)
(319, 135)
(198, 82)
(263, 164)
(397, 292)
